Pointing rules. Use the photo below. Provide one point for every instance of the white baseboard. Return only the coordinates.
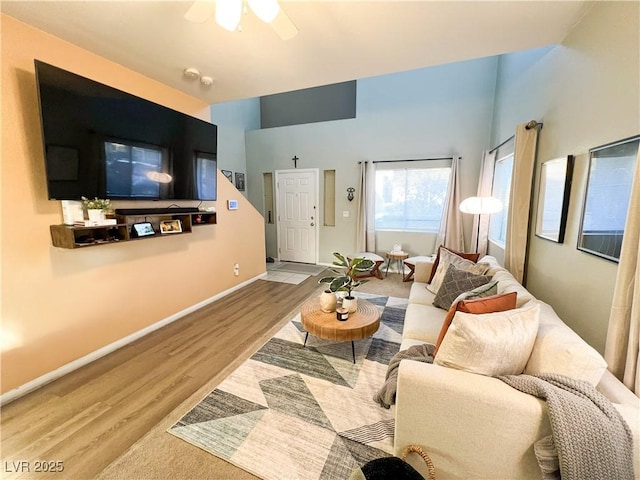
(95, 355)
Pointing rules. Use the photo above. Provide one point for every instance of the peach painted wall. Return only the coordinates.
(59, 305)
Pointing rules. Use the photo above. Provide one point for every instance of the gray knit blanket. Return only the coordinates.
(386, 396)
(590, 436)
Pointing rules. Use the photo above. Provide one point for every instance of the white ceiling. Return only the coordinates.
(338, 40)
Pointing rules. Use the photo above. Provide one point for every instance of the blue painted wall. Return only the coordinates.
(233, 120)
(431, 112)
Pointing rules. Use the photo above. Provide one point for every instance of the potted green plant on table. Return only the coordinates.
(96, 208)
(347, 280)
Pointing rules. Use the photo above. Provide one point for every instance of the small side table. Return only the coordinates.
(398, 257)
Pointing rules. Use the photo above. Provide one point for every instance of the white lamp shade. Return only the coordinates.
(480, 205)
(265, 10)
(228, 14)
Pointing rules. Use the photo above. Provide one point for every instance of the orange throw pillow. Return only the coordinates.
(492, 304)
(469, 256)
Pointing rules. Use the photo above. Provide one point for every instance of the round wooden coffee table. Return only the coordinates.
(362, 323)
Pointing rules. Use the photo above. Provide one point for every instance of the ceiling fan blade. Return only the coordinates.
(200, 11)
(283, 26)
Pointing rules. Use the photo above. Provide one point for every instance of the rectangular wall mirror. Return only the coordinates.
(553, 198)
(606, 201)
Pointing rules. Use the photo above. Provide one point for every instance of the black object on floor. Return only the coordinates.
(390, 468)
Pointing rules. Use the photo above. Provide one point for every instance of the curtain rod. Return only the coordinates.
(410, 160)
(530, 124)
(502, 144)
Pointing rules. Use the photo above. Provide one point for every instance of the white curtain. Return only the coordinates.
(370, 180)
(515, 251)
(623, 335)
(484, 190)
(361, 215)
(365, 221)
(451, 234)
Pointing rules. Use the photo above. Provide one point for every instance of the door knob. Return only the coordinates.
(313, 224)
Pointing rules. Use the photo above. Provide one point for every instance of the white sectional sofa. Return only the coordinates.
(476, 426)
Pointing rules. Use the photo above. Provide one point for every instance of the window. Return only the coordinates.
(411, 199)
(501, 190)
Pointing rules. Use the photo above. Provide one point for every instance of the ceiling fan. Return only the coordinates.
(229, 12)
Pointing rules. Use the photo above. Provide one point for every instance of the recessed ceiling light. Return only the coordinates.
(205, 80)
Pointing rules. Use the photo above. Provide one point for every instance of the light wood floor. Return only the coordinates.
(90, 417)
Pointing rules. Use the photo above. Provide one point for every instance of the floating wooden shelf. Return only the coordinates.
(68, 236)
(205, 218)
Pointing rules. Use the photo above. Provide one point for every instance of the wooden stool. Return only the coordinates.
(375, 270)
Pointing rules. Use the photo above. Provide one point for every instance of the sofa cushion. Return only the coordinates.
(494, 266)
(456, 282)
(423, 270)
(410, 342)
(558, 349)
(449, 258)
(615, 390)
(491, 304)
(420, 294)
(422, 322)
(469, 256)
(491, 343)
(631, 416)
(507, 283)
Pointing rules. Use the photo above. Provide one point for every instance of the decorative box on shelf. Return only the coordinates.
(95, 223)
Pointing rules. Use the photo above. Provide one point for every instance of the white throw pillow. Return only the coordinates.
(449, 258)
(558, 349)
(490, 343)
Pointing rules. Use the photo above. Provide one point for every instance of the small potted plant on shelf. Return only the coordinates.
(347, 281)
(96, 208)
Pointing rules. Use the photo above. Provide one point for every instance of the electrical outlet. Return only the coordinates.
(236, 269)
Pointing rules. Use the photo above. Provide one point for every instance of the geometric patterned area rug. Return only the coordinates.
(302, 412)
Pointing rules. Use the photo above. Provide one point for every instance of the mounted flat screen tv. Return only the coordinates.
(102, 142)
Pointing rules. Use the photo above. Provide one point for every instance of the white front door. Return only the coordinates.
(297, 207)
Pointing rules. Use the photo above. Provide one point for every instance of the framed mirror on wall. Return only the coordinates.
(606, 200)
(553, 198)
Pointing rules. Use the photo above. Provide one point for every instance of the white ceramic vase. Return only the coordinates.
(328, 301)
(350, 303)
(95, 215)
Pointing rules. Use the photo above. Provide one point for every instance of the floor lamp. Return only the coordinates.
(480, 206)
